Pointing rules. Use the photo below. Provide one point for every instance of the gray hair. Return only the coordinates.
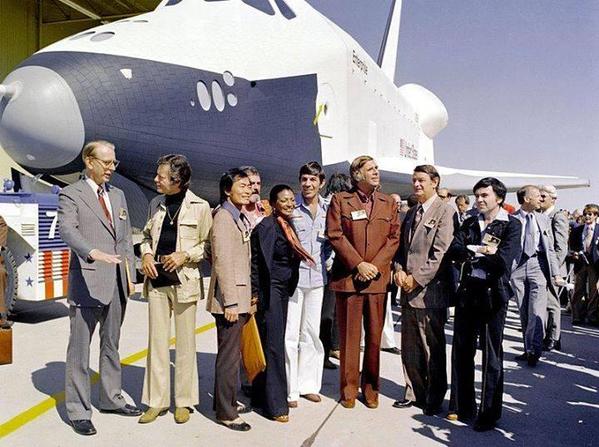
(549, 189)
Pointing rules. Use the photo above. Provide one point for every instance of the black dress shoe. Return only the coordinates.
(329, 365)
(482, 425)
(84, 427)
(243, 408)
(557, 345)
(394, 350)
(127, 410)
(533, 359)
(405, 403)
(550, 345)
(236, 426)
(522, 357)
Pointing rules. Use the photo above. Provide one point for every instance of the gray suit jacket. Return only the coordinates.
(559, 237)
(83, 226)
(423, 255)
(546, 240)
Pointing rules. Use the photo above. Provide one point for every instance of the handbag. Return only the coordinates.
(252, 354)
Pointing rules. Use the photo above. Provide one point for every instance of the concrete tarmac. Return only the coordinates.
(554, 404)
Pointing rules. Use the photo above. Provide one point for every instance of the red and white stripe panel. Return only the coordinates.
(53, 274)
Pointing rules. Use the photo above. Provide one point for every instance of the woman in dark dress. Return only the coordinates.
(276, 254)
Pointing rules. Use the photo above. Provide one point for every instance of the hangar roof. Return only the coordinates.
(65, 11)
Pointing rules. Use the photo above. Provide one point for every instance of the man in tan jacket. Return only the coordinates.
(427, 232)
(363, 228)
(174, 238)
(230, 293)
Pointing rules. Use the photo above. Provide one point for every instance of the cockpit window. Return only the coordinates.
(173, 2)
(285, 9)
(261, 5)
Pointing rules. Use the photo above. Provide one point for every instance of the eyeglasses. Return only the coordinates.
(108, 163)
(589, 214)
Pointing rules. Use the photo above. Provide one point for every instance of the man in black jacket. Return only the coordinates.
(485, 246)
(584, 247)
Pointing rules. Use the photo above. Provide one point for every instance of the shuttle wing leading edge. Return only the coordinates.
(461, 181)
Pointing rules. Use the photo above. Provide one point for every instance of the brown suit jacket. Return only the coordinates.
(423, 256)
(231, 257)
(374, 239)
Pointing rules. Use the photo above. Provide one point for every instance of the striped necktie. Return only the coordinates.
(103, 205)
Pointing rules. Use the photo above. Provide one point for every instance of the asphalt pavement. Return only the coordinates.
(553, 404)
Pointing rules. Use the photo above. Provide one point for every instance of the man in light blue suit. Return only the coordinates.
(535, 271)
(94, 222)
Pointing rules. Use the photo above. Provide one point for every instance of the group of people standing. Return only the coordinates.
(278, 260)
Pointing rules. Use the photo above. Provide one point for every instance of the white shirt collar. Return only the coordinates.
(549, 210)
(93, 185)
(501, 215)
(426, 205)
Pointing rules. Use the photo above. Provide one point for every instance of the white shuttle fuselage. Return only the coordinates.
(270, 83)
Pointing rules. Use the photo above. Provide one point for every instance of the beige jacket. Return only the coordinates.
(230, 283)
(422, 256)
(193, 228)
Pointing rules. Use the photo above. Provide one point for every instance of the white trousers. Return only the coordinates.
(304, 353)
(388, 336)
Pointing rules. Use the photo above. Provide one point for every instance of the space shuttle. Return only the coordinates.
(269, 83)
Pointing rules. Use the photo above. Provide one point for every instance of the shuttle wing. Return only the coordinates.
(461, 181)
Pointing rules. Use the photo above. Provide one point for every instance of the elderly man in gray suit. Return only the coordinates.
(94, 222)
(534, 272)
(558, 236)
(426, 234)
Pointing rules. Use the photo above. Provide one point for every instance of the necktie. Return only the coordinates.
(530, 248)
(103, 205)
(417, 219)
(295, 243)
(588, 239)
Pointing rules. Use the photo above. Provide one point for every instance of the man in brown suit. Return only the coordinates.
(4, 323)
(426, 233)
(363, 228)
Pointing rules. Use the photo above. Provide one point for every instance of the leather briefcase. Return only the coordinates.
(5, 346)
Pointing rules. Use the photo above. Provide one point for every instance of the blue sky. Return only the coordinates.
(519, 78)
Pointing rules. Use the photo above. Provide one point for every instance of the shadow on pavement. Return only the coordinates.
(31, 312)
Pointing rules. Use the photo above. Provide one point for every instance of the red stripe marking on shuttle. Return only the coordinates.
(48, 280)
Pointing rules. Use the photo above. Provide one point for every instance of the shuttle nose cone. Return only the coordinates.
(40, 121)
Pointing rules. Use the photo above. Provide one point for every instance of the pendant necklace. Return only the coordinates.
(172, 218)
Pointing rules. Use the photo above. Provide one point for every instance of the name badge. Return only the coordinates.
(359, 215)
(123, 214)
(322, 235)
(247, 236)
(490, 240)
(430, 224)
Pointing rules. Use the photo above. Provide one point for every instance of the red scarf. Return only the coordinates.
(295, 243)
